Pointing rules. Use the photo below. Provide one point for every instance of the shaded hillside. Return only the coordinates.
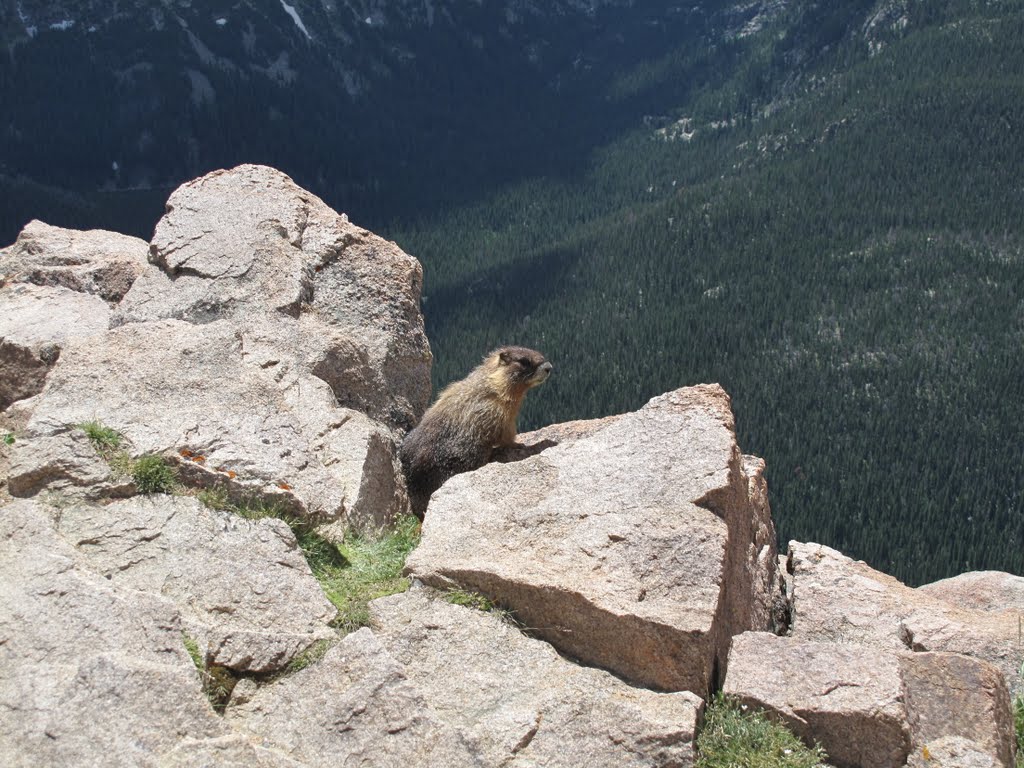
(381, 109)
(831, 228)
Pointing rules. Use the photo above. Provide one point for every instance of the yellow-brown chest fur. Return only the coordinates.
(485, 405)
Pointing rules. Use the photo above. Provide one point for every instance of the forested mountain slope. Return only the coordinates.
(831, 228)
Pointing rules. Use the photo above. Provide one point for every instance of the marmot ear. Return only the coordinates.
(505, 357)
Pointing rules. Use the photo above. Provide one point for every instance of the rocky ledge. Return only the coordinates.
(268, 349)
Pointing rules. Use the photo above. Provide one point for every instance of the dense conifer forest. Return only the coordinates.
(842, 250)
(821, 212)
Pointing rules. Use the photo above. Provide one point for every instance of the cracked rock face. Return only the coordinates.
(837, 599)
(250, 246)
(268, 347)
(639, 547)
(245, 593)
(90, 672)
(516, 702)
(869, 706)
(96, 262)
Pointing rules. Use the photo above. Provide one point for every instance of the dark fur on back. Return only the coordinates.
(470, 418)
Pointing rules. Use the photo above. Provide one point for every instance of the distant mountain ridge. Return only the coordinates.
(352, 98)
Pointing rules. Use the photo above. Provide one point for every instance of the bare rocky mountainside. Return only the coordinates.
(265, 349)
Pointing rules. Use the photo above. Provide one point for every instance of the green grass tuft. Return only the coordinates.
(104, 439)
(734, 737)
(249, 507)
(469, 599)
(217, 682)
(1018, 727)
(8, 438)
(360, 570)
(152, 474)
(193, 650)
(308, 657)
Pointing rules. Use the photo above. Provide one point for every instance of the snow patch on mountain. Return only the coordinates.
(290, 10)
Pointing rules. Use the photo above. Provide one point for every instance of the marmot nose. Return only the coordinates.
(546, 367)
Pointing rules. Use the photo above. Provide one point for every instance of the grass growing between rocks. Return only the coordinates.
(104, 439)
(1018, 727)
(369, 567)
(470, 599)
(308, 657)
(479, 602)
(351, 574)
(251, 508)
(149, 473)
(217, 682)
(733, 737)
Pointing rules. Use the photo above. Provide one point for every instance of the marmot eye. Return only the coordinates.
(525, 362)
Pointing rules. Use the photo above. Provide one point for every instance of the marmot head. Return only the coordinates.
(521, 367)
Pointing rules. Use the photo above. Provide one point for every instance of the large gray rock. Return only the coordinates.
(837, 599)
(268, 346)
(94, 262)
(516, 702)
(639, 547)
(950, 696)
(245, 592)
(873, 707)
(232, 751)
(847, 697)
(36, 322)
(193, 394)
(993, 591)
(63, 462)
(356, 706)
(250, 246)
(91, 673)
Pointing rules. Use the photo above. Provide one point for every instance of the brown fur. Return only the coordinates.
(470, 418)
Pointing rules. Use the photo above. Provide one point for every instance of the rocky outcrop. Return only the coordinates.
(306, 288)
(99, 263)
(270, 349)
(273, 354)
(514, 701)
(641, 547)
(245, 595)
(837, 599)
(869, 706)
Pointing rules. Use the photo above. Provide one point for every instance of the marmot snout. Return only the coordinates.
(470, 418)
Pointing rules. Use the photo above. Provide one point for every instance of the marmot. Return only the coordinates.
(470, 418)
